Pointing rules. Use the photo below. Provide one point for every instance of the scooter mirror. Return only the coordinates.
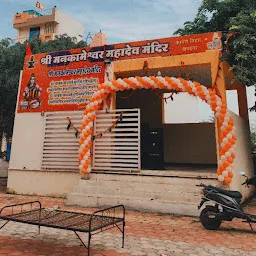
(242, 173)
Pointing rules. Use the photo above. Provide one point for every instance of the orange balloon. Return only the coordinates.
(222, 116)
(225, 165)
(231, 122)
(227, 180)
(88, 161)
(211, 92)
(230, 174)
(219, 171)
(230, 159)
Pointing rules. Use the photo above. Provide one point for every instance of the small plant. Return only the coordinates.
(3, 154)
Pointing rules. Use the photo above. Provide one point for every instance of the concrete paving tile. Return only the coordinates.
(146, 234)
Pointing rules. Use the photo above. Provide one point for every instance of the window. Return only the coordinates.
(186, 109)
(34, 33)
(232, 101)
(49, 28)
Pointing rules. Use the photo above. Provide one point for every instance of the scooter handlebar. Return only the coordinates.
(201, 185)
(251, 181)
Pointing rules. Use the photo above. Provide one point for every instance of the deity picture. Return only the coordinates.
(31, 94)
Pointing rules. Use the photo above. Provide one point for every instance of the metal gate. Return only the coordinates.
(60, 150)
(117, 148)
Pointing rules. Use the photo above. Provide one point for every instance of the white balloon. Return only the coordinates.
(218, 103)
(83, 162)
(223, 157)
(89, 169)
(225, 173)
(225, 123)
(229, 169)
(225, 140)
(229, 136)
(82, 146)
(228, 154)
(221, 178)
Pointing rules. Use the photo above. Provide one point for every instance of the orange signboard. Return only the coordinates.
(160, 47)
(66, 80)
(60, 86)
(156, 47)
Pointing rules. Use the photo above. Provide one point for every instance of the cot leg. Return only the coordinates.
(4, 224)
(123, 234)
(39, 229)
(80, 239)
(89, 243)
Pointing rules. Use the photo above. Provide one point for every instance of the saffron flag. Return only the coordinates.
(39, 5)
(28, 49)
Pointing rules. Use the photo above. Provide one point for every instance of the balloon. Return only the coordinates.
(219, 107)
(230, 174)
(220, 178)
(227, 180)
(219, 172)
(225, 165)
(225, 173)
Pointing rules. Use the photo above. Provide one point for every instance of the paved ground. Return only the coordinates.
(146, 234)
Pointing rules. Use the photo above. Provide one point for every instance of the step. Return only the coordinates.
(149, 179)
(145, 205)
(176, 184)
(170, 196)
(163, 191)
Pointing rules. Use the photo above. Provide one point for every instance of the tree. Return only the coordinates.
(11, 63)
(230, 16)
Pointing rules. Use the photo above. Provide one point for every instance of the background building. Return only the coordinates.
(46, 25)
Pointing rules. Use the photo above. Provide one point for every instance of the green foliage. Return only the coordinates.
(230, 16)
(11, 63)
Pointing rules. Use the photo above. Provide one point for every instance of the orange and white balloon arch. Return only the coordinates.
(218, 106)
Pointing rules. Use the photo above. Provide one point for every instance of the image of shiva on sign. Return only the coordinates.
(31, 94)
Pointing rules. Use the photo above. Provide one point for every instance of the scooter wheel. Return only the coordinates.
(208, 222)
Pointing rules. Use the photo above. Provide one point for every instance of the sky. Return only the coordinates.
(119, 20)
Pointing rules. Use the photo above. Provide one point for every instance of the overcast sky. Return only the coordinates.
(120, 20)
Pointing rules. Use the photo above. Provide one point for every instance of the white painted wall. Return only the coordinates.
(44, 183)
(243, 160)
(68, 25)
(190, 143)
(27, 141)
(23, 34)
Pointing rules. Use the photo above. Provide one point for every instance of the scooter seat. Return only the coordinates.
(233, 194)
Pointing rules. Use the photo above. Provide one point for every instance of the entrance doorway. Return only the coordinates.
(170, 146)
